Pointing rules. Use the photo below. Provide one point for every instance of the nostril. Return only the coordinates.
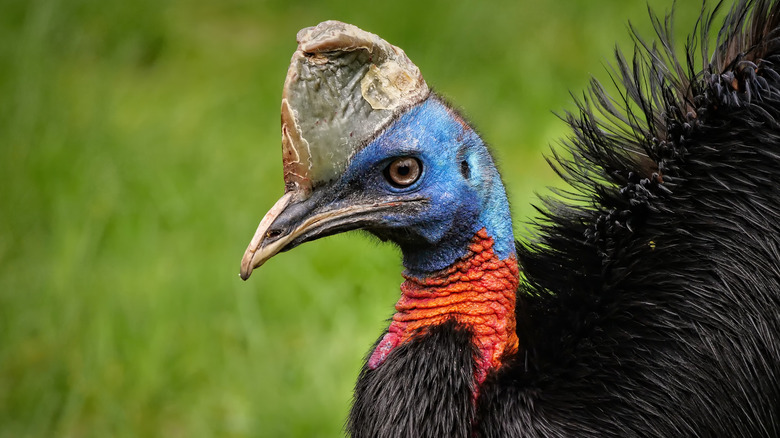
(273, 234)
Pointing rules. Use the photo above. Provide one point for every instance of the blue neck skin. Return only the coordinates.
(459, 179)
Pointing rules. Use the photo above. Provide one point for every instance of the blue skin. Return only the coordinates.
(458, 207)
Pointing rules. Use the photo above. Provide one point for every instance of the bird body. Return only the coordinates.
(649, 303)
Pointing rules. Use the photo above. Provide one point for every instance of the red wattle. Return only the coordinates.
(477, 291)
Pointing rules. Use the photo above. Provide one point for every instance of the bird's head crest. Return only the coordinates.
(343, 85)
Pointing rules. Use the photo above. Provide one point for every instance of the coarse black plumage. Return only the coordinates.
(438, 394)
(653, 297)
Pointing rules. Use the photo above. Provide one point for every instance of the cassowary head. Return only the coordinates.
(366, 145)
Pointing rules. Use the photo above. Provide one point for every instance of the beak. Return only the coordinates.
(254, 258)
(291, 222)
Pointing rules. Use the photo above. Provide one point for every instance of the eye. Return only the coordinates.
(403, 172)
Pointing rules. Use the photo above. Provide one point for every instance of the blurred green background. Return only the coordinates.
(139, 148)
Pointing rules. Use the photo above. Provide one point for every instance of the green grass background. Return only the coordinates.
(139, 148)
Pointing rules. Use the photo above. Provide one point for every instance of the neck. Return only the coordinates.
(477, 292)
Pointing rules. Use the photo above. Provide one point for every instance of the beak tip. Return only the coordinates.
(247, 265)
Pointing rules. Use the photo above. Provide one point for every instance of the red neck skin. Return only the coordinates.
(477, 291)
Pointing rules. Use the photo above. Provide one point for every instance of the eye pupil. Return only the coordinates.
(403, 172)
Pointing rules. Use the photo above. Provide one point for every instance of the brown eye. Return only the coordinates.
(403, 172)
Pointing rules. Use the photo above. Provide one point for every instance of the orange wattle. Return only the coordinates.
(478, 291)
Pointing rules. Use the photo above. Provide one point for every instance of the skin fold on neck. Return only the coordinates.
(478, 291)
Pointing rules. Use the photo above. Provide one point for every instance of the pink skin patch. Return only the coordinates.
(478, 291)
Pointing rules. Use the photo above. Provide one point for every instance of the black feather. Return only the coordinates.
(432, 401)
(653, 307)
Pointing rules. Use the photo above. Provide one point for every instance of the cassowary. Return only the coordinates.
(648, 304)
